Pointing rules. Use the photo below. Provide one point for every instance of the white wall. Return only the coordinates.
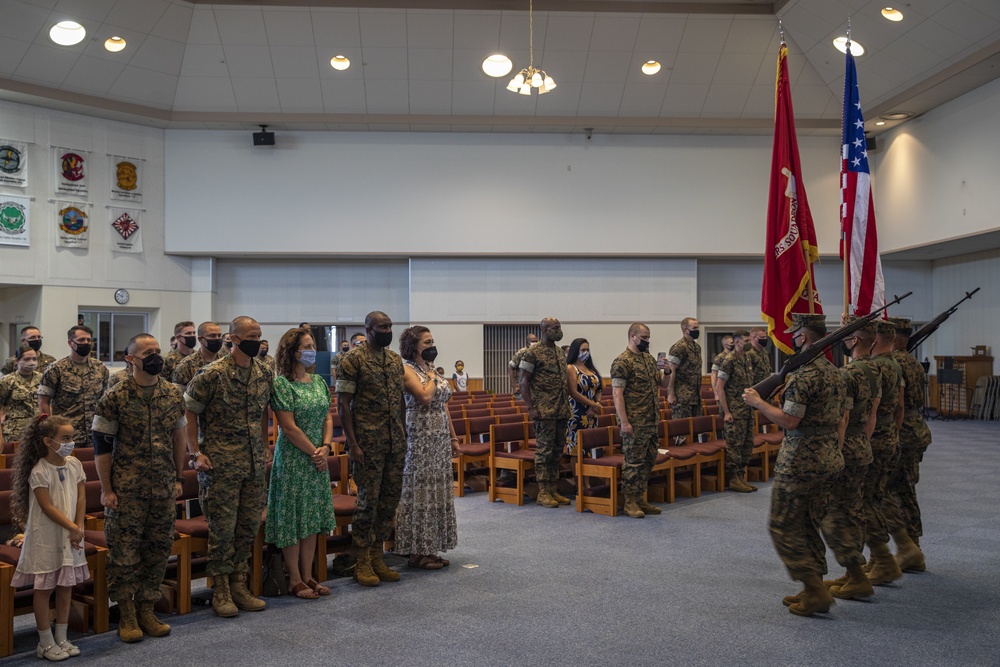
(977, 321)
(481, 194)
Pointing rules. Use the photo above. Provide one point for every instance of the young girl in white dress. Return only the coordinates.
(48, 499)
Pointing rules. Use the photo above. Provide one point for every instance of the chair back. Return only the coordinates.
(90, 470)
(479, 428)
(84, 453)
(590, 438)
(514, 418)
(501, 434)
(6, 479)
(704, 424)
(478, 412)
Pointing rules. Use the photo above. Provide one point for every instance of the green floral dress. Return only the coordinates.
(299, 500)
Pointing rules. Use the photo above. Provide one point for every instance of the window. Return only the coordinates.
(500, 342)
(112, 331)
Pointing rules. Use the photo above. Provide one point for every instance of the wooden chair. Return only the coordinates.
(515, 418)
(686, 459)
(710, 447)
(661, 486)
(508, 448)
(609, 419)
(766, 443)
(607, 467)
(472, 413)
(343, 508)
(470, 454)
(479, 428)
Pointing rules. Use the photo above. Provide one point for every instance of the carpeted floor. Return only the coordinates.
(698, 585)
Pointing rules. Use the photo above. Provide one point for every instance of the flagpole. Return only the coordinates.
(846, 250)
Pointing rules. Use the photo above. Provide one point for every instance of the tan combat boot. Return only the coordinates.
(545, 498)
(558, 497)
(743, 478)
(884, 568)
(632, 508)
(857, 586)
(242, 597)
(128, 627)
(149, 623)
(222, 600)
(738, 485)
(381, 570)
(840, 581)
(909, 557)
(646, 507)
(363, 573)
(789, 600)
(814, 598)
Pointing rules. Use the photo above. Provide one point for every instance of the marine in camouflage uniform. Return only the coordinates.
(230, 402)
(19, 401)
(545, 389)
(170, 361)
(758, 353)
(44, 361)
(885, 455)
(189, 367)
(844, 523)
(73, 390)
(514, 365)
(118, 376)
(32, 338)
(902, 512)
(636, 378)
(736, 374)
(810, 456)
(685, 361)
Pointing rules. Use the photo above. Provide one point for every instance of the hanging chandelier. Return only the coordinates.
(531, 76)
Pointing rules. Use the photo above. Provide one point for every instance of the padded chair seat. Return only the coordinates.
(343, 504)
(475, 449)
(661, 458)
(710, 448)
(520, 454)
(612, 461)
(769, 438)
(682, 453)
(95, 537)
(196, 527)
(9, 555)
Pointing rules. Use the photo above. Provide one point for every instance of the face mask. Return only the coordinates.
(345, 348)
(642, 345)
(189, 341)
(762, 342)
(845, 349)
(694, 333)
(429, 354)
(583, 356)
(729, 348)
(28, 367)
(262, 353)
(307, 357)
(66, 448)
(35, 345)
(83, 349)
(229, 344)
(249, 347)
(213, 345)
(459, 369)
(798, 346)
(153, 364)
(555, 335)
(382, 338)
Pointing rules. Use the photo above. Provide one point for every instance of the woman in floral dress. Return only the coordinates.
(584, 389)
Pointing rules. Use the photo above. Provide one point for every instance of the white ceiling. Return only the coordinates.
(232, 66)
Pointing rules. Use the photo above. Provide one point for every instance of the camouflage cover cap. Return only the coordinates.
(871, 327)
(800, 320)
(903, 324)
(886, 327)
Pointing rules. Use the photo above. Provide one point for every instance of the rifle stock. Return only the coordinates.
(924, 332)
(767, 387)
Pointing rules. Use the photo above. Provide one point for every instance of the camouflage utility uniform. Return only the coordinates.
(10, 366)
(736, 371)
(761, 361)
(170, 361)
(885, 450)
(686, 355)
(638, 377)
(550, 398)
(140, 532)
(187, 368)
(19, 402)
(902, 510)
(74, 390)
(375, 381)
(809, 457)
(230, 402)
(118, 376)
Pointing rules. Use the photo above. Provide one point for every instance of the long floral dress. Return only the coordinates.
(299, 500)
(587, 385)
(425, 519)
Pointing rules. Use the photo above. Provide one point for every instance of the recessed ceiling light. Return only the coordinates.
(650, 67)
(856, 48)
(114, 44)
(340, 63)
(497, 65)
(892, 14)
(67, 33)
(880, 122)
(896, 115)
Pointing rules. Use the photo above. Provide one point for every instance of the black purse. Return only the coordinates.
(275, 577)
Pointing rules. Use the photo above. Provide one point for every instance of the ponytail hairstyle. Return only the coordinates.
(31, 449)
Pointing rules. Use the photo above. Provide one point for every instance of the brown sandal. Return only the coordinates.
(424, 562)
(298, 589)
(317, 587)
(444, 561)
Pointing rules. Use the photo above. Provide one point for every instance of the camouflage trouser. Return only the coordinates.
(844, 524)
(550, 438)
(683, 410)
(12, 429)
(639, 451)
(739, 445)
(797, 508)
(233, 507)
(380, 483)
(140, 535)
(901, 508)
(876, 481)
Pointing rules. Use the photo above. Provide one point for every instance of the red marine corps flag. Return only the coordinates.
(791, 238)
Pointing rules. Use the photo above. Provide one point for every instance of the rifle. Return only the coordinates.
(767, 387)
(924, 332)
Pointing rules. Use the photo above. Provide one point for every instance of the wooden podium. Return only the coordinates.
(956, 382)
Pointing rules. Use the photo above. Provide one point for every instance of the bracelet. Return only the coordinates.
(456, 440)
(179, 479)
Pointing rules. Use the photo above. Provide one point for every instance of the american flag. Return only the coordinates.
(125, 225)
(859, 245)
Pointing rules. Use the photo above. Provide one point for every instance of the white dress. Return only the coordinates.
(47, 557)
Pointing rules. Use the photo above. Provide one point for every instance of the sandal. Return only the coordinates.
(444, 561)
(424, 562)
(318, 588)
(302, 590)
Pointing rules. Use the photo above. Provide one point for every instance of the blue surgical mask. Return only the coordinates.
(583, 356)
(66, 448)
(307, 357)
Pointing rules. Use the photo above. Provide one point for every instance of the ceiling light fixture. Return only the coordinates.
(497, 65)
(892, 14)
(896, 115)
(880, 123)
(856, 48)
(114, 44)
(650, 67)
(67, 33)
(340, 63)
(531, 77)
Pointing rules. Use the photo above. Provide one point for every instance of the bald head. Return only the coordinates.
(376, 318)
(638, 329)
(243, 325)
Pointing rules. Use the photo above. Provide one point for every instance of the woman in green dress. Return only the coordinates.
(299, 502)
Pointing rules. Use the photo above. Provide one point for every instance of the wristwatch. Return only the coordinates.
(192, 458)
